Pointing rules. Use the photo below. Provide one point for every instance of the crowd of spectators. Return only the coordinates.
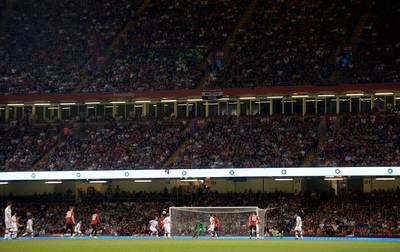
(219, 142)
(47, 43)
(167, 46)
(357, 214)
(142, 144)
(22, 145)
(377, 57)
(288, 43)
(345, 214)
(361, 140)
(249, 141)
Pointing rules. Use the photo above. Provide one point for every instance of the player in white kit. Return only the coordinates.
(211, 226)
(29, 228)
(14, 226)
(77, 230)
(8, 221)
(298, 229)
(153, 227)
(167, 226)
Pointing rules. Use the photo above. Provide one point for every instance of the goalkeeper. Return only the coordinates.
(200, 227)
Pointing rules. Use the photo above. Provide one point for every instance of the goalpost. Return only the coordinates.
(234, 220)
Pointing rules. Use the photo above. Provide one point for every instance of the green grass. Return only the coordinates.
(195, 245)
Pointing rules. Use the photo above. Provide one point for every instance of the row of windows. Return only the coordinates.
(193, 108)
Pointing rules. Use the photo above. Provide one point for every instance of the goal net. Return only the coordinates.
(233, 220)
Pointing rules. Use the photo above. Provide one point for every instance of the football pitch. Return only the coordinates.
(195, 245)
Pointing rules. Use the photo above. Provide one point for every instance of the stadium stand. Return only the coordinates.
(22, 145)
(361, 140)
(376, 59)
(220, 142)
(167, 45)
(249, 141)
(288, 43)
(324, 215)
(141, 144)
(47, 43)
(51, 47)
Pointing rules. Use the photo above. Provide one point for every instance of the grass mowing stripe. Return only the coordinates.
(195, 245)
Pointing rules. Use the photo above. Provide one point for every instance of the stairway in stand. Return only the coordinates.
(174, 155)
(108, 53)
(232, 38)
(6, 15)
(45, 156)
(336, 75)
(311, 154)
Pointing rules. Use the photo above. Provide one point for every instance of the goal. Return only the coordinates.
(234, 220)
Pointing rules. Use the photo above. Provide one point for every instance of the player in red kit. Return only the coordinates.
(217, 225)
(253, 223)
(95, 221)
(69, 222)
(160, 227)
